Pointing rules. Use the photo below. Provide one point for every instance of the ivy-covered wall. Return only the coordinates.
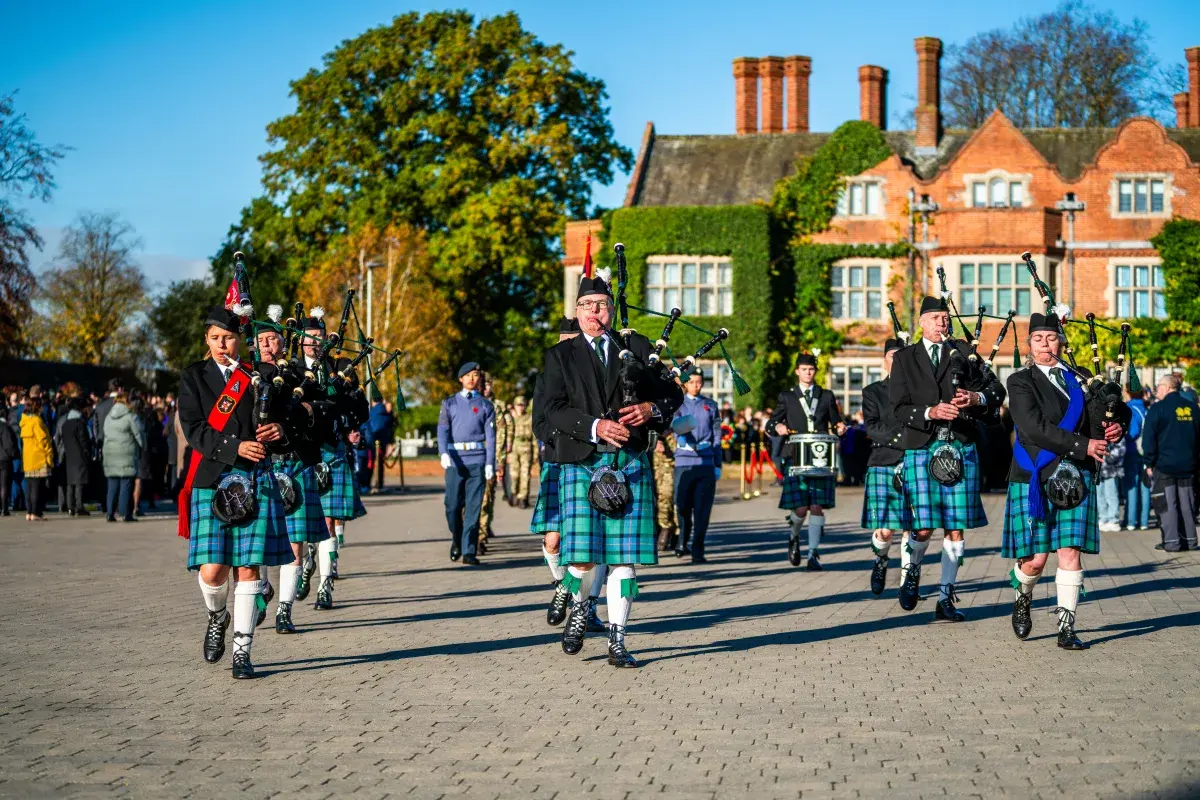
(740, 232)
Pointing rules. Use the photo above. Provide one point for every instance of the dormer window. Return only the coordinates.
(861, 198)
(996, 189)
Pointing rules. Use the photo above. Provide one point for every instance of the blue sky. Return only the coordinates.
(166, 103)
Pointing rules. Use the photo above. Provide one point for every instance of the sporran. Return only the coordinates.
(946, 464)
(235, 500)
(609, 491)
(324, 477)
(287, 490)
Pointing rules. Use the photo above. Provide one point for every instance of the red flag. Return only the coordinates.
(587, 258)
(231, 295)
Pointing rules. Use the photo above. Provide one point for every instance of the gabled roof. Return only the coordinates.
(739, 170)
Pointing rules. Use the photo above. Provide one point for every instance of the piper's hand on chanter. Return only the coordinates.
(1097, 449)
(964, 399)
(781, 429)
(636, 415)
(1113, 432)
(252, 451)
(612, 432)
(944, 412)
(271, 432)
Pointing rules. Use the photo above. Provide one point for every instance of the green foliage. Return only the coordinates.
(418, 418)
(805, 202)
(474, 132)
(1178, 243)
(740, 232)
(176, 318)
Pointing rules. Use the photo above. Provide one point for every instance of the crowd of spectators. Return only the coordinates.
(69, 448)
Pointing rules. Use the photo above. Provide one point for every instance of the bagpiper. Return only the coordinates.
(600, 406)
(230, 507)
(885, 508)
(1051, 504)
(807, 408)
(940, 470)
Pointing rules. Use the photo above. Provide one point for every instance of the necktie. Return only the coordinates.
(1060, 379)
(599, 345)
(225, 372)
(808, 396)
(935, 355)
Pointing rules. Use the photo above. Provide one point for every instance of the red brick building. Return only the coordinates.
(998, 191)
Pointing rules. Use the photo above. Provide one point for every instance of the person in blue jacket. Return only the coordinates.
(1137, 491)
(697, 426)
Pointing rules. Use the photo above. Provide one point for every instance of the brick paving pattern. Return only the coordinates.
(434, 680)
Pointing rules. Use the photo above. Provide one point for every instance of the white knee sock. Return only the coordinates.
(215, 597)
(951, 552)
(880, 546)
(1067, 584)
(797, 524)
(339, 531)
(916, 551)
(325, 551)
(816, 527)
(905, 556)
(599, 574)
(622, 590)
(1025, 583)
(579, 574)
(288, 575)
(245, 613)
(556, 569)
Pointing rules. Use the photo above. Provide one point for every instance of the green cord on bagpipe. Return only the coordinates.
(717, 339)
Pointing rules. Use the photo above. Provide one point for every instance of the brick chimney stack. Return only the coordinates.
(770, 73)
(1193, 62)
(745, 95)
(797, 69)
(1181, 110)
(929, 101)
(872, 95)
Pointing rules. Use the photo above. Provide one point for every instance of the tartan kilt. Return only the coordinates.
(263, 541)
(801, 492)
(547, 514)
(307, 523)
(338, 502)
(883, 506)
(591, 537)
(932, 505)
(1076, 527)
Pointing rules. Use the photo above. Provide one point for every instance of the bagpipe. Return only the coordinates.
(609, 493)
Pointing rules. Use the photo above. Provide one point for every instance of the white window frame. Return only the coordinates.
(718, 381)
(850, 400)
(845, 264)
(1016, 189)
(720, 290)
(1112, 289)
(1047, 270)
(864, 185)
(1114, 191)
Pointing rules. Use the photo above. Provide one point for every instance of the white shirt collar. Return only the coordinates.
(805, 388)
(467, 393)
(1045, 368)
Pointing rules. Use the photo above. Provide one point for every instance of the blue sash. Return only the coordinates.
(1037, 502)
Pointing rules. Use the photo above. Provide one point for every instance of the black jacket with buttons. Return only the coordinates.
(882, 428)
(914, 387)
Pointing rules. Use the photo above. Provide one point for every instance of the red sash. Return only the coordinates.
(218, 418)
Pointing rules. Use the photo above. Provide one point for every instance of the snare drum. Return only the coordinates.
(814, 455)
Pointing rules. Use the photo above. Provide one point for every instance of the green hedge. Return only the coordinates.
(740, 232)
(418, 418)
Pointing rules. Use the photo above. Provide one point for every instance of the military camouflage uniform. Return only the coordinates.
(664, 487)
(487, 511)
(521, 456)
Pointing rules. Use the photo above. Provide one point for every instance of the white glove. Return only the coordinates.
(717, 470)
(445, 461)
(489, 472)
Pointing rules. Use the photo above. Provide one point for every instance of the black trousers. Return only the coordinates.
(380, 450)
(74, 497)
(695, 488)
(37, 497)
(5, 485)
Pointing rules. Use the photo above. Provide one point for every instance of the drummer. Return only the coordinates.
(806, 409)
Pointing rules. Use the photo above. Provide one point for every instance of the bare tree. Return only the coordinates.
(95, 298)
(25, 171)
(1074, 67)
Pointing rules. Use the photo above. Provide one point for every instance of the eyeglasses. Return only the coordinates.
(592, 305)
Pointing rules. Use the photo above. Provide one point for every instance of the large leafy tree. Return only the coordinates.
(476, 134)
(26, 171)
(176, 318)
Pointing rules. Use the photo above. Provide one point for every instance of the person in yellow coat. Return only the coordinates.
(37, 457)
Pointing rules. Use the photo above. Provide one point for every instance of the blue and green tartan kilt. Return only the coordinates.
(307, 523)
(1076, 527)
(589, 537)
(883, 506)
(338, 502)
(547, 514)
(263, 541)
(932, 505)
(802, 492)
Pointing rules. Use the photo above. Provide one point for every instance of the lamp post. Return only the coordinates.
(1070, 205)
(925, 207)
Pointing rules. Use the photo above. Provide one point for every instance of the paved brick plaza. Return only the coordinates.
(431, 679)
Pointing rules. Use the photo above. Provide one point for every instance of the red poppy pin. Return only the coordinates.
(475, 409)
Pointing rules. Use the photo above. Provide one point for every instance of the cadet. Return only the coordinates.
(697, 465)
(467, 445)
(521, 452)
